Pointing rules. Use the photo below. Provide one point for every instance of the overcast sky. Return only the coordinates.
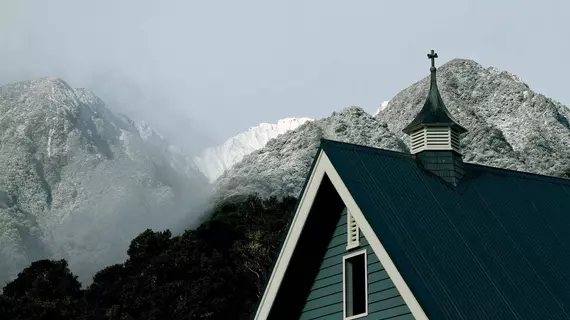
(202, 71)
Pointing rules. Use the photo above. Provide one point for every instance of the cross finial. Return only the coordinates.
(432, 56)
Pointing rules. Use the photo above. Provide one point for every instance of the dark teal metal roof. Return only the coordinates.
(495, 247)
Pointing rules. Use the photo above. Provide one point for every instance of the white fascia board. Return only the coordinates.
(323, 166)
(291, 240)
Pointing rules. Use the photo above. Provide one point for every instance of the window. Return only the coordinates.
(352, 232)
(355, 285)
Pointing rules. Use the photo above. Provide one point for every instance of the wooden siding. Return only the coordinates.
(325, 301)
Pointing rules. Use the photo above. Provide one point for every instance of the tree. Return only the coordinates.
(44, 290)
(214, 272)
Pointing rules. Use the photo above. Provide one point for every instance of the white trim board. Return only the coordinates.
(293, 235)
(322, 166)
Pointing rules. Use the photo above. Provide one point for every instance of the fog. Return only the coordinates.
(202, 71)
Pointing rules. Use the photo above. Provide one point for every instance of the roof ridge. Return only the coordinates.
(365, 148)
(524, 174)
(375, 150)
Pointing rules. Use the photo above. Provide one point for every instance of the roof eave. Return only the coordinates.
(414, 126)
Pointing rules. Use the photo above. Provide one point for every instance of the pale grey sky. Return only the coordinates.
(201, 71)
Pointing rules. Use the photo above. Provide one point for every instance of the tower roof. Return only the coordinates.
(434, 112)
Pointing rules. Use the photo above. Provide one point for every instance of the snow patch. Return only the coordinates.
(146, 131)
(213, 161)
(49, 143)
(526, 94)
(383, 106)
(125, 138)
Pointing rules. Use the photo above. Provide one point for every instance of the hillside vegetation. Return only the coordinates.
(214, 272)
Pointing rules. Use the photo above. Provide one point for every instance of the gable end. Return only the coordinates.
(323, 180)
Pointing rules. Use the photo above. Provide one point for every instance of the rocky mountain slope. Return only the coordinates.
(79, 182)
(280, 168)
(213, 161)
(510, 126)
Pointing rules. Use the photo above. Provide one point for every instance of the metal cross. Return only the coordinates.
(432, 56)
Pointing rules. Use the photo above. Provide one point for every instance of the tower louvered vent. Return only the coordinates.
(455, 140)
(352, 232)
(434, 138)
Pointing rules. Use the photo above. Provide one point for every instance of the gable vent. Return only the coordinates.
(353, 234)
(434, 138)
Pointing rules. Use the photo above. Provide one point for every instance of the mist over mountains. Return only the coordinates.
(79, 181)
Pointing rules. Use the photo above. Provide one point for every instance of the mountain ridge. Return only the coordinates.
(493, 103)
(71, 169)
(280, 167)
(498, 108)
(213, 161)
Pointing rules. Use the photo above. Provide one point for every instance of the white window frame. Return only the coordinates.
(348, 256)
(349, 223)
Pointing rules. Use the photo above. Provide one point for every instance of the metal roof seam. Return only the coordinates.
(511, 307)
(481, 266)
(537, 274)
(410, 236)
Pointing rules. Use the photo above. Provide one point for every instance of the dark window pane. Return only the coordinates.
(355, 274)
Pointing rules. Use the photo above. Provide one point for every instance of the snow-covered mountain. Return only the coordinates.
(279, 169)
(510, 126)
(212, 162)
(79, 182)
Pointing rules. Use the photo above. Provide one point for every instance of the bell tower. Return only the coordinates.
(435, 135)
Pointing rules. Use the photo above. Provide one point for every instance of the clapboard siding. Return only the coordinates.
(325, 301)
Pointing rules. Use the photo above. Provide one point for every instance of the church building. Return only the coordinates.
(379, 234)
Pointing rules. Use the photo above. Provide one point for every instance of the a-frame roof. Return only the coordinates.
(494, 247)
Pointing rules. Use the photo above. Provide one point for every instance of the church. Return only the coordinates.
(379, 234)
